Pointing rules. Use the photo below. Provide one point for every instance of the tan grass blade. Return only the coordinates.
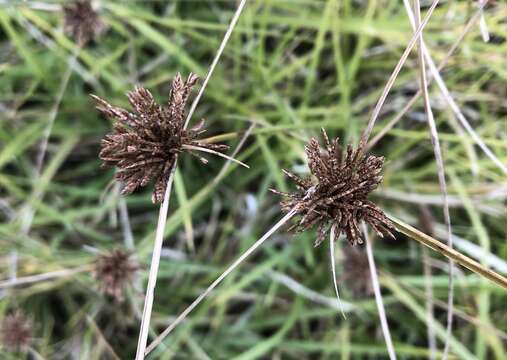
(449, 253)
(440, 163)
(469, 26)
(217, 153)
(333, 267)
(376, 111)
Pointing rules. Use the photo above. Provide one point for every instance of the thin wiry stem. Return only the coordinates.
(217, 153)
(333, 267)
(145, 322)
(378, 296)
(215, 283)
(152, 279)
(442, 64)
(440, 167)
(367, 131)
(454, 107)
(220, 50)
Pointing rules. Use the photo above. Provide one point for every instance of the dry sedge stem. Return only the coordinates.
(448, 252)
(144, 145)
(338, 193)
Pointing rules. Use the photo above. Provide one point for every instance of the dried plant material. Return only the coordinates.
(15, 332)
(144, 144)
(337, 194)
(114, 271)
(356, 272)
(82, 22)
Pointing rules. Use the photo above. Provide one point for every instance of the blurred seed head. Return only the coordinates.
(337, 193)
(82, 22)
(356, 272)
(114, 271)
(15, 332)
(144, 144)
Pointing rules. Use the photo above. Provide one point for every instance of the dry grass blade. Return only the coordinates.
(367, 131)
(378, 296)
(469, 26)
(435, 142)
(449, 253)
(215, 283)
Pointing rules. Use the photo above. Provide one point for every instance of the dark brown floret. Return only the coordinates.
(82, 22)
(144, 144)
(356, 272)
(15, 331)
(338, 192)
(114, 271)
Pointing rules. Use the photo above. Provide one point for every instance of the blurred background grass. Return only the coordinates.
(291, 67)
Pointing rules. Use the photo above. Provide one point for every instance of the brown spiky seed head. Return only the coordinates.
(144, 144)
(337, 194)
(356, 272)
(82, 22)
(15, 332)
(114, 271)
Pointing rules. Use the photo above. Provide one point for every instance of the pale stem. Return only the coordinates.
(152, 279)
(378, 296)
(333, 267)
(215, 283)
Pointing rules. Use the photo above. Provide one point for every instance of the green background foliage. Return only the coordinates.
(290, 68)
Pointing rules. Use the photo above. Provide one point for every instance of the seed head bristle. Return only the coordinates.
(144, 144)
(82, 22)
(15, 332)
(338, 192)
(114, 271)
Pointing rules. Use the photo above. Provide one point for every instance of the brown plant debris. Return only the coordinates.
(337, 192)
(356, 272)
(15, 332)
(144, 144)
(82, 22)
(114, 271)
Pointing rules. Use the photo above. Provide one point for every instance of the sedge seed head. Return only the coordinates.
(144, 144)
(114, 271)
(337, 192)
(82, 22)
(15, 332)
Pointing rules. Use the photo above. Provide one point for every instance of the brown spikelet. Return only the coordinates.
(15, 332)
(338, 194)
(144, 144)
(114, 271)
(82, 22)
